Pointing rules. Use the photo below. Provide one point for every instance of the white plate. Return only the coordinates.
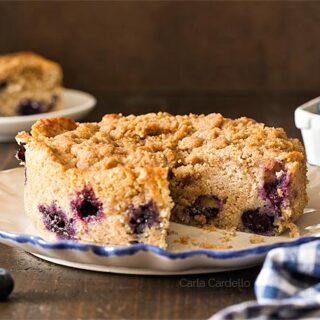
(16, 231)
(77, 104)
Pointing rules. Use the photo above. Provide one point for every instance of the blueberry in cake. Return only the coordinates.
(122, 180)
(29, 84)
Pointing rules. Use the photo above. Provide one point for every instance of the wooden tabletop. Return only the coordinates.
(47, 291)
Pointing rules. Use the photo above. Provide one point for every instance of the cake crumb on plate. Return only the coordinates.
(254, 239)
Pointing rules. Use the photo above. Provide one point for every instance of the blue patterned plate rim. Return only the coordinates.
(109, 251)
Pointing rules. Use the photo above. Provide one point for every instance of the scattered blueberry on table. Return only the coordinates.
(6, 284)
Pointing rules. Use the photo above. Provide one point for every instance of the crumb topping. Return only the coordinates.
(161, 140)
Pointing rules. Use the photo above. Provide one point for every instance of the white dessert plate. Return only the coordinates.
(77, 104)
(189, 251)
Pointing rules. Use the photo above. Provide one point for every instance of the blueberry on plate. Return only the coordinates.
(6, 284)
(318, 108)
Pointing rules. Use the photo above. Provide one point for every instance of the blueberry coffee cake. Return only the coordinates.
(29, 84)
(121, 180)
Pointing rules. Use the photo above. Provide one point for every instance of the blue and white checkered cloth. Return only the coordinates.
(288, 287)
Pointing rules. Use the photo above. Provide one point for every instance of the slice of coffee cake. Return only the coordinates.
(119, 180)
(29, 84)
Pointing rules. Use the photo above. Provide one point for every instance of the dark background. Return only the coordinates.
(152, 47)
(182, 57)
